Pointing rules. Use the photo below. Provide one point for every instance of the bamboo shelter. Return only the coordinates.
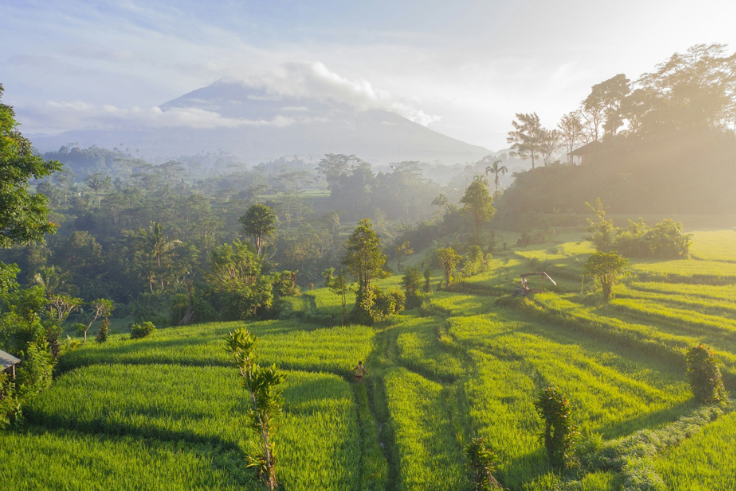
(525, 289)
(8, 362)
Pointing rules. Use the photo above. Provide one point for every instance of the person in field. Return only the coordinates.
(359, 372)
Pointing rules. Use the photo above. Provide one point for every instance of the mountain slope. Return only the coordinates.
(256, 125)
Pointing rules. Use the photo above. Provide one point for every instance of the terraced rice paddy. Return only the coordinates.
(168, 413)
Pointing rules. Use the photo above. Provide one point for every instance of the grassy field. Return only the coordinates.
(167, 412)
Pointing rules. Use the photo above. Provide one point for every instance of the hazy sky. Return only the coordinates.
(463, 67)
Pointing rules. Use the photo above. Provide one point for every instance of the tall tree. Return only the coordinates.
(478, 203)
(496, 169)
(259, 222)
(572, 132)
(23, 215)
(364, 258)
(602, 108)
(99, 183)
(449, 259)
(549, 142)
(696, 89)
(525, 137)
(339, 285)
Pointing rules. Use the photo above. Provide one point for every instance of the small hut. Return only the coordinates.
(586, 153)
(8, 362)
(524, 289)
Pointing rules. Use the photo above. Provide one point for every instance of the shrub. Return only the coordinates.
(8, 401)
(482, 463)
(606, 268)
(138, 331)
(427, 279)
(559, 434)
(103, 331)
(35, 372)
(79, 328)
(705, 375)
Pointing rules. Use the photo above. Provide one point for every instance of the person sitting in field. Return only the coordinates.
(359, 372)
(524, 286)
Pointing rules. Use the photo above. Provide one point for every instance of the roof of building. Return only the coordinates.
(7, 360)
(589, 148)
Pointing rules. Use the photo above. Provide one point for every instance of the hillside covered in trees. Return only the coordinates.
(662, 144)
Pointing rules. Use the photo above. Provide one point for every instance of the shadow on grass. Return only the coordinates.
(648, 421)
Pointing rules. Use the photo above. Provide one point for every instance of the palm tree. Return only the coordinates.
(156, 244)
(495, 169)
(52, 279)
(441, 202)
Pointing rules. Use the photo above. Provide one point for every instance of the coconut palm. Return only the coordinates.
(495, 169)
(441, 202)
(53, 280)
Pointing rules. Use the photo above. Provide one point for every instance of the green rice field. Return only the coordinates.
(167, 412)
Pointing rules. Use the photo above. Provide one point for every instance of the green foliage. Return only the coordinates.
(412, 281)
(427, 279)
(338, 285)
(559, 433)
(606, 268)
(262, 384)
(364, 258)
(284, 283)
(665, 240)
(482, 463)
(242, 292)
(402, 250)
(449, 259)
(475, 262)
(603, 231)
(142, 330)
(23, 215)
(8, 401)
(704, 374)
(103, 331)
(34, 375)
(478, 203)
(259, 222)
(98, 310)
(375, 305)
(386, 304)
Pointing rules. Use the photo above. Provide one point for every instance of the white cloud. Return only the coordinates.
(54, 117)
(313, 80)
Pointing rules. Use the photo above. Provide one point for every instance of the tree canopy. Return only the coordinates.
(23, 215)
(259, 222)
(478, 203)
(364, 258)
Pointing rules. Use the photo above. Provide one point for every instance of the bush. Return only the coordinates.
(374, 306)
(103, 331)
(138, 331)
(8, 402)
(482, 462)
(35, 371)
(559, 434)
(79, 328)
(705, 375)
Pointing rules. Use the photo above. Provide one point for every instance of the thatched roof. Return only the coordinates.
(7, 360)
(591, 147)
